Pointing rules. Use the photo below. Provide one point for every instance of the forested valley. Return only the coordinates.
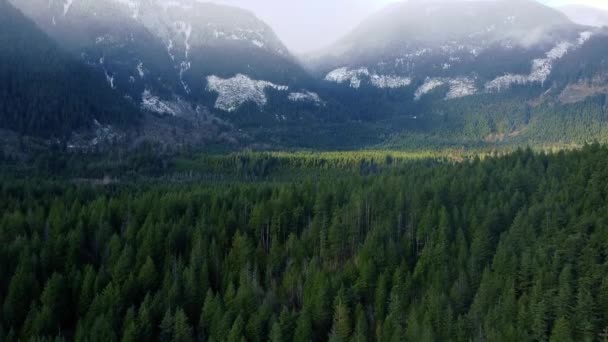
(310, 247)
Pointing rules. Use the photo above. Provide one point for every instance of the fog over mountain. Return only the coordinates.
(586, 15)
(217, 72)
(309, 25)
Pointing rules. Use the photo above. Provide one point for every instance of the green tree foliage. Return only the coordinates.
(508, 248)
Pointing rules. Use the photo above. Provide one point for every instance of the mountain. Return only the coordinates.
(585, 15)
(418, 73)
(472, 72)
(411, 41)
(170, 57)
(46, 92)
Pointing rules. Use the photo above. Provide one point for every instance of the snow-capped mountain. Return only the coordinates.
(463, 47)
(161, 54)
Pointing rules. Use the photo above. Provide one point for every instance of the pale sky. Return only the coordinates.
(309, 25)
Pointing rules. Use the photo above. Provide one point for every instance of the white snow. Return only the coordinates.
(458, 87)
(257, 43)
(506, 81)
(383, 81)
(428, 85)
(461, 87)
(110, 79)
(169, 49)
(306, 96)
(154, 104)
(183, 68)
(541, 67)
(355, 76)
(559, 50)
(140, 69)
(234, 92)
(66, 6)
(584, 37)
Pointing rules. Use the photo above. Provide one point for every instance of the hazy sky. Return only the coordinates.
(309, 25)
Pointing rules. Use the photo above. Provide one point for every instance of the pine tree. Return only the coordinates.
(342, 326)
(361, 329)
(182, 332)
(304, 329)
(561, 331)
(148, 275)
(237, 331)
(166, 327)
(275, 333)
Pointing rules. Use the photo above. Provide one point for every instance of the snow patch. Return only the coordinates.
(458, 87)
(257, 43)
(140, 70)
(428, 85)
(110, 80)
(584, 37)
(306, 96)
(461, 87)
(169, 49)
(234, 92)
(541, 67)
(355, 76)
(383, 81)
(183, 68)
(154, 104)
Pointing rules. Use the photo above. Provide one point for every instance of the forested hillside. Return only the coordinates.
(507, 248)
(46, 92)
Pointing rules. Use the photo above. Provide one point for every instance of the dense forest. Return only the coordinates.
(373, 247)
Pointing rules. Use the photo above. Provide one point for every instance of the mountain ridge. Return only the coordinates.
(188, 64)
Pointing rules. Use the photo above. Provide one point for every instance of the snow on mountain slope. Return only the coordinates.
(155, 104)
(464, 47)
(541, 67)
(306, 96)
(355, 76)
(458, 87)
(234, 92)
(428, 85)
(166, 48)
(437, 39)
